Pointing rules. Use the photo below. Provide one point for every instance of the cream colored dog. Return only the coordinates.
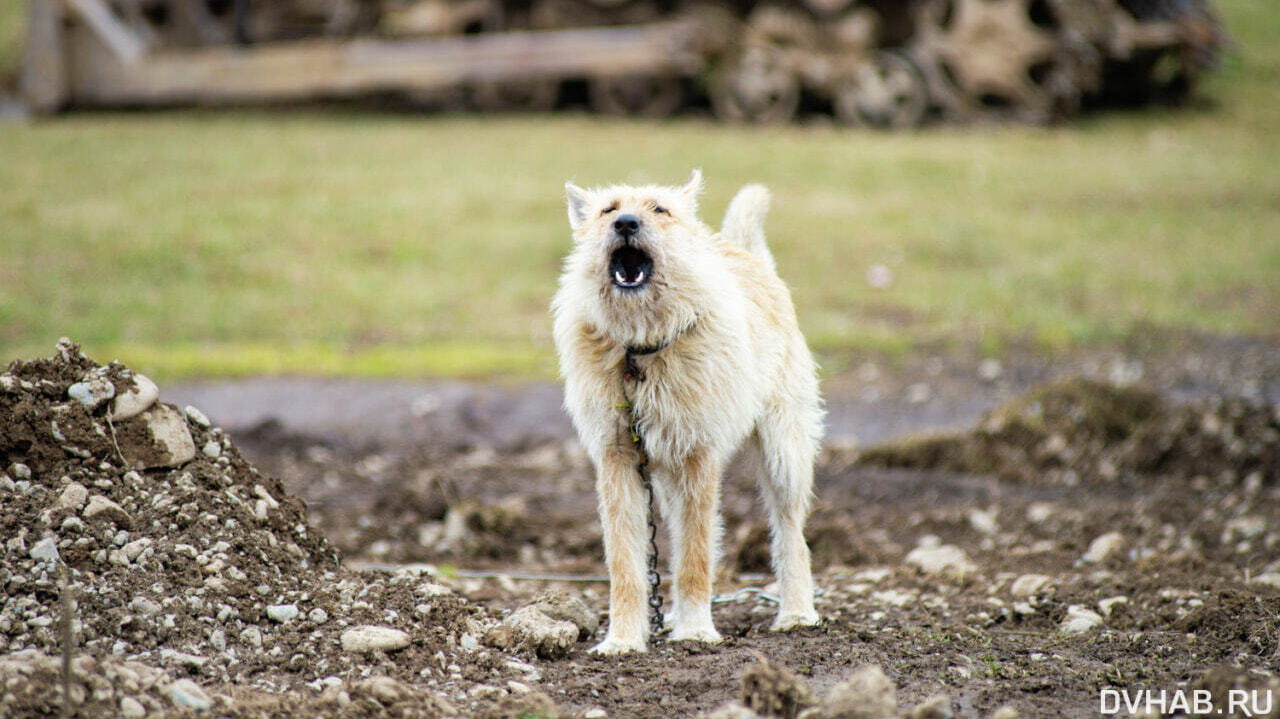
(720, 360)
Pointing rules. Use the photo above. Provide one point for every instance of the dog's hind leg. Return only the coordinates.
(623, 511)
(787, 445)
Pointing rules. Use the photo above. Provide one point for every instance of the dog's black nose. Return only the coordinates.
(626, 225)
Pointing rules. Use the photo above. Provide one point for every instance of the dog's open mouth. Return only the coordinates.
(630, 267)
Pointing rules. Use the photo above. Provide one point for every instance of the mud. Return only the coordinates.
(447, 527)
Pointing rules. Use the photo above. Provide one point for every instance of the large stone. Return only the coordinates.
(73, 497)
(1103, 548)
(186, 693)
(565, 607)
(92, 391)
(136, 400)
(101, 509)
(1029, 585)
(46, 550)
(367, 638)
(281, 613)
(159, 437)
(1079, 620)
(941, 560)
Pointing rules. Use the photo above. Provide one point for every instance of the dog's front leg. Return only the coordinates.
(695, 518)
(622, 512)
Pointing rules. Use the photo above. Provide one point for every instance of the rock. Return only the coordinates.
(92, 391)
(529, 628)
(46, 550)
(867, 694)
(1103, 548)
(252, 636)
(192, 662)
(73, 496)
(101, 509)
(136, 400)
(196, 416)
(1267, 579)
(1079, 620)
(318, 615)
(135, 548)
(158, 437)
(131, 708)
(1108, 605)
(145, 606)
(1004, 712)
(386, 690)
(596, 713)
(1038, 512)
(1029, 585)
(281, 613)
(565, 607)
(517, 688)
(944, 560)
(366, 638)
(211, 449)
(935, 707)
(990, 369)
(1243, 528)
(186, 693)
(20, 471)
(983, 522)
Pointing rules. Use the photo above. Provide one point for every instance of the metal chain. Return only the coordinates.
(632, 371)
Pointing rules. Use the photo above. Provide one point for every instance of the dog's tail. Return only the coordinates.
(744, 220)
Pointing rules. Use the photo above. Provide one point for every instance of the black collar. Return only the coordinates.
(631, 370)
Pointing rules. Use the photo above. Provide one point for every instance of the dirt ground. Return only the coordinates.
(991, 538)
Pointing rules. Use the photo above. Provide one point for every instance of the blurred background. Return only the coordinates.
(324, 187)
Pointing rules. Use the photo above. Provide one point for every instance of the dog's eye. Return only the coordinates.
(660, 210)
(610, 208)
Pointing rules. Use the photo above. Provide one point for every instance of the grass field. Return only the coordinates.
(214, 243)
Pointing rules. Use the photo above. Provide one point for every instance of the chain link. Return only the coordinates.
(632, 371)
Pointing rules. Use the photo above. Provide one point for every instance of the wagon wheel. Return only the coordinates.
(883, 91)
(994, 57)
(637, 94)
(760, 86)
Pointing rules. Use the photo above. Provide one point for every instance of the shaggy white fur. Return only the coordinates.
(733, 367)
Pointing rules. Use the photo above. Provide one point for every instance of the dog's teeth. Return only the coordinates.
(617, 275)
(640, 277)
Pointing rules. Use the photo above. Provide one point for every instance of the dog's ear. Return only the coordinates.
(578, 199)
(693, 188)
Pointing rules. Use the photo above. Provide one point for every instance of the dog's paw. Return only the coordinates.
(787, 621)
(706, 635)
(613, 646)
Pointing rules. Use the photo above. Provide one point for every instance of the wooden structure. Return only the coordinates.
(79, 53)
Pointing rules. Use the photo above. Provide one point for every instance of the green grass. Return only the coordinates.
(214, 243)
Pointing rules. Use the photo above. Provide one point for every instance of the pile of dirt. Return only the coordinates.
(178, 559)
(1079, 430)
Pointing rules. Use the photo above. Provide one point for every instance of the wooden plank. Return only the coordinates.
(42, 83)
(123, 42)
(328, 67)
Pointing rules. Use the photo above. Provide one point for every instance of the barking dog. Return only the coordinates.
(718, 361)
